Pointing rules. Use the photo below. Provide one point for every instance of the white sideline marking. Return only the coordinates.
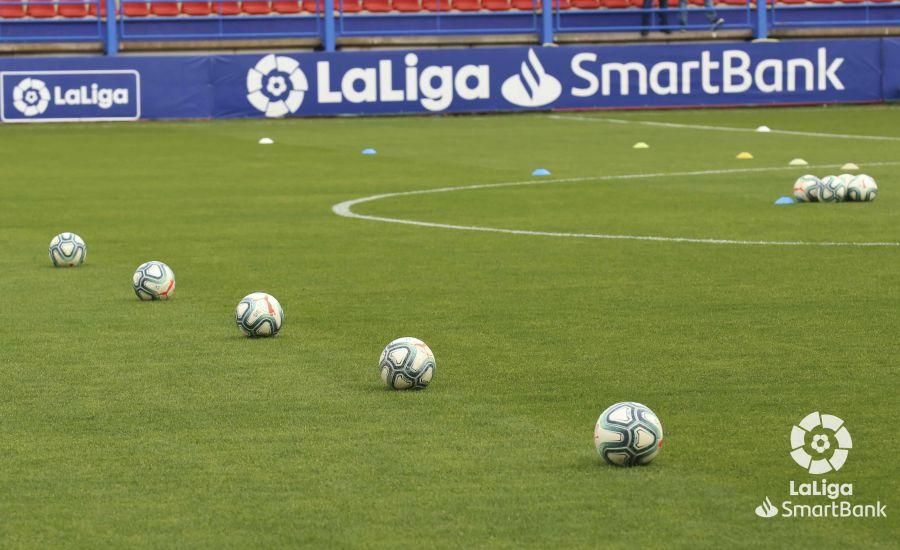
(345, 209)
(720, 128)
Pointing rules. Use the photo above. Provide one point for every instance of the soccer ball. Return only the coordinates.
(67, 250)
(406, 363)
(628, 434)
(153, 281)
(832, 189)
(806, 188)
(862, 188)
(259, 315)
(845, 180)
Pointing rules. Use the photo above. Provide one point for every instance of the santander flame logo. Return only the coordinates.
(532, 87)
(766, 509)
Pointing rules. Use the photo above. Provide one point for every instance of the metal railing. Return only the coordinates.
(330, 21)
(20, 21)
(220, 23)
(863, 14)
(438, 22)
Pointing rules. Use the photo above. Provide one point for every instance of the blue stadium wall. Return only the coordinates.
(36, 89)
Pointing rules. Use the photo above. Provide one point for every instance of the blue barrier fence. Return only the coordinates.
(839, 15)
(333, 21)
(448, 80)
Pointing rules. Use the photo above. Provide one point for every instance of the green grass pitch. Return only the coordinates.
(131, 424)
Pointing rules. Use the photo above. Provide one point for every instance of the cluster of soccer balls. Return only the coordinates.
(406, 363)
(845, 187)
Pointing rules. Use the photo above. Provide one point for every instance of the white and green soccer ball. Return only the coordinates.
(832, 189)
(806, 188)
(862, 188)
(259, 315)
(67, 250)
(628, 434)
(406, 363)
(153, 281)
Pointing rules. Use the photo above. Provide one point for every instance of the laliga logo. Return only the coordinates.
(820, 444)
(276, 85)
(31, 97)
(533, 87)
(826, 438)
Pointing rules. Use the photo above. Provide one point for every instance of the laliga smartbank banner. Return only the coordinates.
(451, 80)
(503, 79)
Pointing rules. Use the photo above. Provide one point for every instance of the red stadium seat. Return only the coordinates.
(467, 5)
(496, 5)
(73, 10)
(537, 5)
(286, 6)
(437, 5)
(348, 6)
(735, 2)
(41, 9)
(407, 6)
(195, 8)
(226, 8)
(586, 4)
(791, 1)
(314, 6)
(617, 4)
(135, 9)
(376, 6)
(92, 8)
(12, 11)
(255, 7)
(164, 9)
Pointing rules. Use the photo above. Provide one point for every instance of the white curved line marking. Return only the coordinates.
(719, 128)
(345, 209)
